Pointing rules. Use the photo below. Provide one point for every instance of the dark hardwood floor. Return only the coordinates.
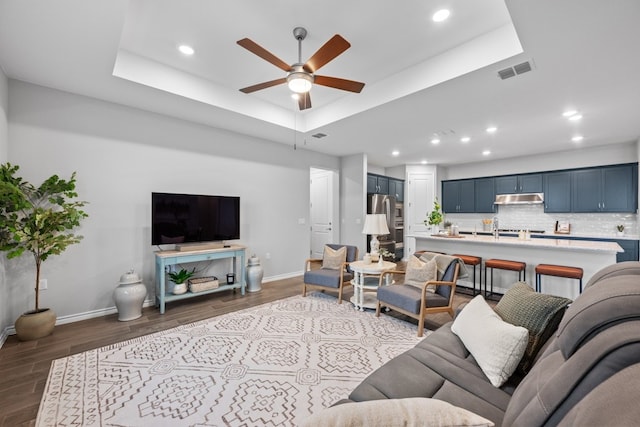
(24, 366)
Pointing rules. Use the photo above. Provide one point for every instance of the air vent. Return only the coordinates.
(319, 135)
(518, 69)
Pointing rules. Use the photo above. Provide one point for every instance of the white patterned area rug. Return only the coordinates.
(270, 365)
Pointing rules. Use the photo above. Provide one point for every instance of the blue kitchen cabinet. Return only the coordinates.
(396, 189)
(485, 195)
(605, 189)
(511, 184)
(557, 192)
(458, 196)
(377, 184)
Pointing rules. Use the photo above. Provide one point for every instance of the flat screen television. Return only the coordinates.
(191, 218)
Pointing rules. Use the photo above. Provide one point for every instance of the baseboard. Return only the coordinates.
(4, 335)
(71, 318)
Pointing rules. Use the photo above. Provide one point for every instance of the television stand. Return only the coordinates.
(167, 258)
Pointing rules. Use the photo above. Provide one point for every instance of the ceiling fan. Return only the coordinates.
(301, 76)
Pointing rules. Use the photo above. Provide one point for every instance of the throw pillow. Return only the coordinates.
(419, 272)
(497, 346)
(539, 313)
(333, 258)
(414, 411)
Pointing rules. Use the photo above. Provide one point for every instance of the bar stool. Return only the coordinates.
(474, 261)
(558, 271)
(503, 264)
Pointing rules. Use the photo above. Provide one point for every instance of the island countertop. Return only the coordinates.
(562, 244)
(590, 255)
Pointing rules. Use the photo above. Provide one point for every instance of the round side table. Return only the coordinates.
(366, 281)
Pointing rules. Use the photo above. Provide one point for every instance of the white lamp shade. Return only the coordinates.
(375, 224)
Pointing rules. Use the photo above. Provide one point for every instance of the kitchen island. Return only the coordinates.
(589, 255)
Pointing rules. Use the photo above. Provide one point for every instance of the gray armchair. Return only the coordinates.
(317, 277)
(417, 302)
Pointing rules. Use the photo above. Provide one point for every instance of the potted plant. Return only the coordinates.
(434, 218)
(38, 220)
(620, 228)
(179, 279)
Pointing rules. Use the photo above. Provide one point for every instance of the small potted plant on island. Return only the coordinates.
(37, 220)
(179, 280)
(434, 218)
(620, 229)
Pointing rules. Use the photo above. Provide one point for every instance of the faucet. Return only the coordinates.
(496, 233)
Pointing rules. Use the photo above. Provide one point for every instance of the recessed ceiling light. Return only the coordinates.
(486, 152)
(187, 50)
(441, 15)
(395, 153)
(424, 162)
(465, 139)
(577, 138)
(492, 129)
(435, 141)
(569, 113)
(575, 117)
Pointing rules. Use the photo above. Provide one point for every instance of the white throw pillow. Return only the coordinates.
(418, 272)
(414, 411)
(333, 258)
(497, 346)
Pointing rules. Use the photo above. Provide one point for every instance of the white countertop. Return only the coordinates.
(613, 236)
(562, 244)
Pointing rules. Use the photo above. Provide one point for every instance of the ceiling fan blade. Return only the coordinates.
(336, 83)
(263, 85)
(304, 101)
(331, 49)
(263, 53)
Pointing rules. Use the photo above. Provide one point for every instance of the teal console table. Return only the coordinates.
(167, 258)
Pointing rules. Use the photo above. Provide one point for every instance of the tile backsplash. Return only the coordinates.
(533, 217)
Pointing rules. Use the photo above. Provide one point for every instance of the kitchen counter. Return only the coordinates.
(551, 235)
(589, 255)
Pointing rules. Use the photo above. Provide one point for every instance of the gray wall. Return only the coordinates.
(577, 158)
(353, 200)
(121, 155)
(5, 316)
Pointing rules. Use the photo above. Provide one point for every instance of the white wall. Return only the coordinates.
(585, 157)
(353, 200)
(5, 316)
(121, 155)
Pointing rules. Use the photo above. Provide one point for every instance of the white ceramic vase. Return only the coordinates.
(254, 274)
(129, 296)
(179, 288)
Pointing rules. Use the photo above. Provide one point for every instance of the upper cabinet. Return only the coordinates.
(458, 196)
(485, 195)
(529, 183)
(605, 189)
(379, 184)
(396, 188)
(557, 192)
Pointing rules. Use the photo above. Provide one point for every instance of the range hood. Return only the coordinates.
(519, 199)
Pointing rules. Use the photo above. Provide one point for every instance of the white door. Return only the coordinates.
(323, 210)
(420, 197)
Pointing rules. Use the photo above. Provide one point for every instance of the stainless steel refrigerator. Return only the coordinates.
(383, 204)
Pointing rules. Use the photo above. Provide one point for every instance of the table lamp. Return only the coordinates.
(375, 225)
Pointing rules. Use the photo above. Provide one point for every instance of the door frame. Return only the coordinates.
(333, 198)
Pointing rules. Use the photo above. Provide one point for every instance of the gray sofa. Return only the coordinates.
(586, 373)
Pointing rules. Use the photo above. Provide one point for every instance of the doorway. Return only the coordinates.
(324, 209)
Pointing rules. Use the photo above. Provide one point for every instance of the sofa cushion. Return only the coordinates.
(612, 300)
(333, 258)
(396, 412)
(419, 272)
(326, 277)
(496, 345)
(539, 313)
(408, 297)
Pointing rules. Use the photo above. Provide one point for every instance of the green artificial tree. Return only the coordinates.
(37, 220)
(435, 216)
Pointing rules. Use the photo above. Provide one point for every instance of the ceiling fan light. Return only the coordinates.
(299, 82)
